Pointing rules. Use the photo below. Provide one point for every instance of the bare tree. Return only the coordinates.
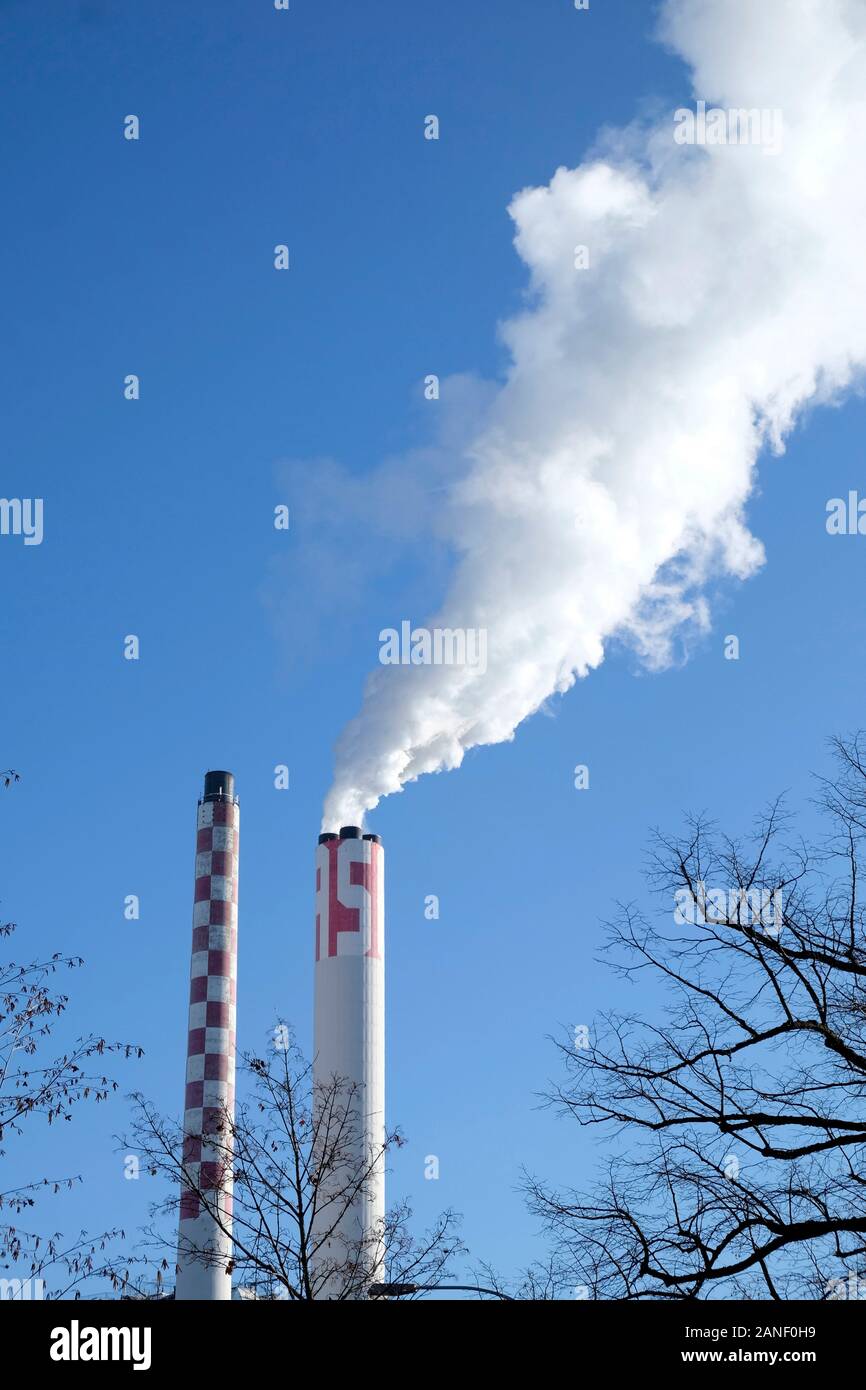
(292, 1157)
(33, 1086)
(543, 1281)
(736, 1120)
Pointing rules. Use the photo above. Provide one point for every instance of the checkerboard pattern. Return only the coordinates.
(210, 1065)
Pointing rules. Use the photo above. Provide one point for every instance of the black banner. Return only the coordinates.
(82, 1338)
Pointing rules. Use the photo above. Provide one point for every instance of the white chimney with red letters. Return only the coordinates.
(349, 1059)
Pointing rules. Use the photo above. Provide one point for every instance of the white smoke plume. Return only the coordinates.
(726, 292)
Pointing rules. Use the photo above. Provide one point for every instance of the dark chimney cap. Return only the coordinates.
(377, 839)
(326, 835)
(350, 832)
(219, 786)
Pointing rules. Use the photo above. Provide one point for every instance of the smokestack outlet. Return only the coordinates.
(349, 832)
(219, 786)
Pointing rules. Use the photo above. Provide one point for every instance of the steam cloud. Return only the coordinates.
(608, 478)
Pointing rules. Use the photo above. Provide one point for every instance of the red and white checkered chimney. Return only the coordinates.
(350, 1045)
(204, 1249)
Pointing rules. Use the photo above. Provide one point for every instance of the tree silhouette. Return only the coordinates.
(736, 1121)
(292, 1155)
(35, 1086)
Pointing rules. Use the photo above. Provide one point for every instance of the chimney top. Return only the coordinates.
(219, 786)
(348, 832)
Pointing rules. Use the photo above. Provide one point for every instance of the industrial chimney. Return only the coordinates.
(204, 1249)
(349, 1050)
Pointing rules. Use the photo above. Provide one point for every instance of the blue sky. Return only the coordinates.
(156, 258)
